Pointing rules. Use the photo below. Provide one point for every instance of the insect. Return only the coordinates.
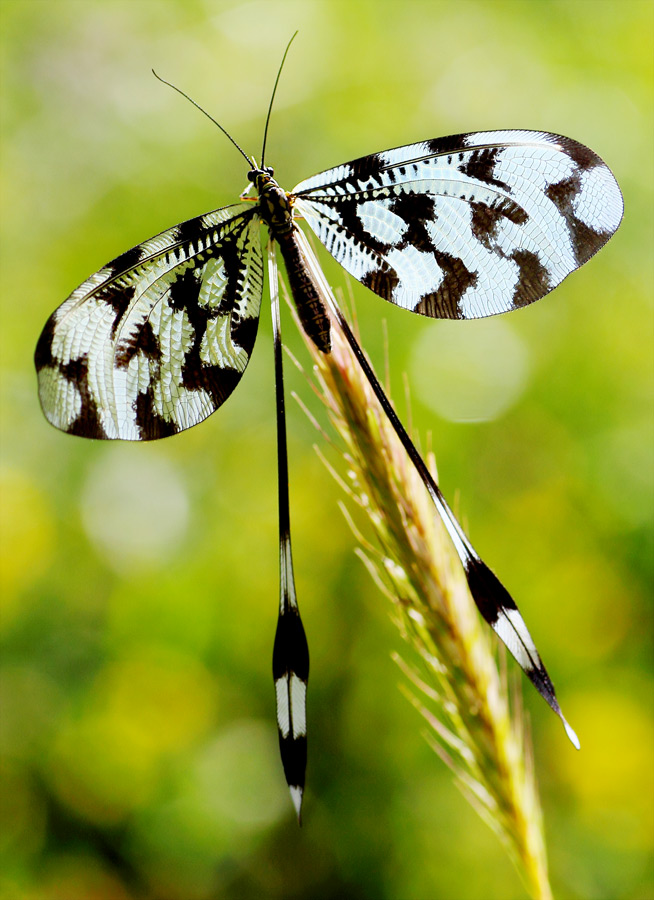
(458, 227)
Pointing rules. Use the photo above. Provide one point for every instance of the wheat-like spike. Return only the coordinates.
(466, 706)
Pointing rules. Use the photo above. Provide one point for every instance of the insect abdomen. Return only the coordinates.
(310, 307)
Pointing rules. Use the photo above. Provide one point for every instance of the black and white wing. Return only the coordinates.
(158, 339)
(465, 226)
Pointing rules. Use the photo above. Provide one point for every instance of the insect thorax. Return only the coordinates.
(274, 205)
(276, 211)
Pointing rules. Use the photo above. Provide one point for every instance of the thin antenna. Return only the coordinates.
(250, 162)
(281, 66)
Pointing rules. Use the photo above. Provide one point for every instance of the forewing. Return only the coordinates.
(465, 226)
(156, 340)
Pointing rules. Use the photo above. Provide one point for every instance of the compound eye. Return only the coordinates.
(252, 175)
(269, 170)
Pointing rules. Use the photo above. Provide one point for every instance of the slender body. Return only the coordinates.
(276, 211)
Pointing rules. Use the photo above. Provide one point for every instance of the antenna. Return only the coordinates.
(249, 161)
(281, 66)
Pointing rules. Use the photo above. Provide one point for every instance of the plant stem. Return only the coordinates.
(454, 681)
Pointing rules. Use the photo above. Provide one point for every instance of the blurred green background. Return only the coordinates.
(139, 582)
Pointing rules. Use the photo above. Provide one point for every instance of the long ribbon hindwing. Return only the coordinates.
(158, 339)
(459, 227)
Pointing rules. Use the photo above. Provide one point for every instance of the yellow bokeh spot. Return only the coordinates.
(160, 700)
(26, 539)
(96, 772)
(106, 758)
(612, 776)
